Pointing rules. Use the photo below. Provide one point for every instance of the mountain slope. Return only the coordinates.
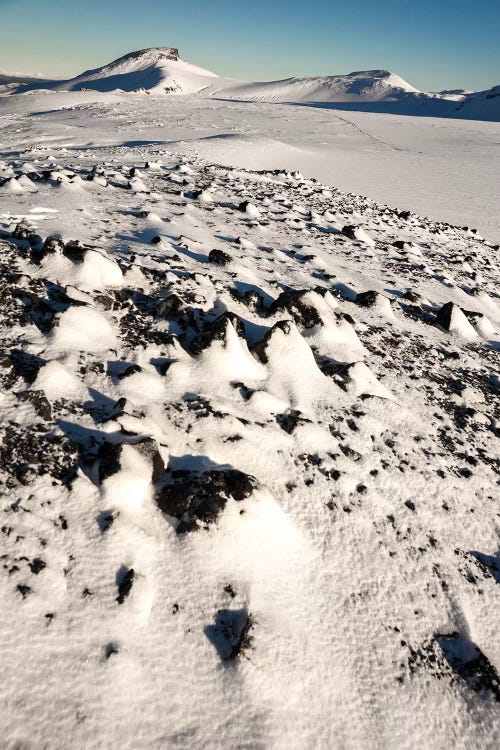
(481, 105)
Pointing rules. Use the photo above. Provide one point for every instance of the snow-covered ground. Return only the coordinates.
(249, 426)
(442, 168)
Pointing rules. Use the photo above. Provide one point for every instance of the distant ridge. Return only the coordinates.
(366, 85)
(161, 71)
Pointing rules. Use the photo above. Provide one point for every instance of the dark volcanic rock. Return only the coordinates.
(110, 455)
(367, 299)
(443, 316)
(290, 419)
(37, 565)
(292, 302)
(216, 331)
(219, 257)
(128, 371)
(26, 453)
(200, 500)
(455, 656)
(349, 231)
(75, 251)
(24, 364)
(39, 402)
(170, 307)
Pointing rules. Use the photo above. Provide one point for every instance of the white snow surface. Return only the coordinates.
(249, 451)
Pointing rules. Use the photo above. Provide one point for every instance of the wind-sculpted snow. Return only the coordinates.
(249, 461)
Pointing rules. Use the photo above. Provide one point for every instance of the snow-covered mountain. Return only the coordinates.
(10, 82)
(160, 71)
(368, 85)
(155, 70)
(481, 105)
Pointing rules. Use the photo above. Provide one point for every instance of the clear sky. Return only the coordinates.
(434, 44)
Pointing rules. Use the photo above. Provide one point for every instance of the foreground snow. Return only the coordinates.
(249, 436)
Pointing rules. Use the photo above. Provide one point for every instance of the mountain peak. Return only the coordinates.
(149, 55)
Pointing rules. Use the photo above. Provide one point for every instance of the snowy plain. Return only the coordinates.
(249, 426)
(443, 168)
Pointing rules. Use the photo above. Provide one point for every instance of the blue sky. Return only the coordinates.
(434, 44)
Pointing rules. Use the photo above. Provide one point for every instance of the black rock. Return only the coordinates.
(443, 315)
(24, 232)
(75, 251)
(200, 500)
(367, 299)
(51, 245)
(412, 296)
(37, 565)
(290, 419)
(109, 458)
(24, 590)
(170, 307)
(349, 230)
(39, 402)
(216, 331)
(26, 365)
(291, 301)
(109, 455)
(253, 300)
(219, 257)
